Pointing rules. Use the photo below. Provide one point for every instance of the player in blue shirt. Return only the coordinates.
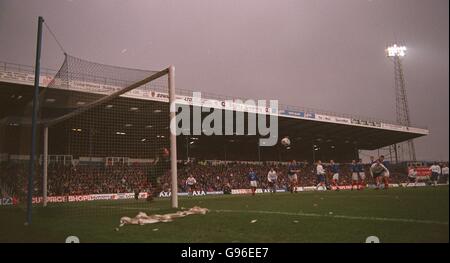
(253, 180)
(334, 169)
(354, 169)
(361, 174)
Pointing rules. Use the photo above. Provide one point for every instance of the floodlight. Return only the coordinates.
(396, 51)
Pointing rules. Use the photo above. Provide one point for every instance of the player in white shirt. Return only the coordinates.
(320, 171)
(386, 174)
(412, 176)
(190, 183)
(435, 172)
(272, 178)
(445, 171)
(378, 171)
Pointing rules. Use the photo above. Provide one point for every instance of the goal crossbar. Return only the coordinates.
(114, 95)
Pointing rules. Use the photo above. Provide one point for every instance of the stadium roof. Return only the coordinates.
(305, 127)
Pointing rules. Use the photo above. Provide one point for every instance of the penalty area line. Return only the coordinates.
(382, 219)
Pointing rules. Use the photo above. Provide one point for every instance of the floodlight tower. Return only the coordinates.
(395, 53)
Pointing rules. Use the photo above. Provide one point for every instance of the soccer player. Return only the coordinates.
(435, 172)
(334, 169)
(445, 172)
(377, 170)
(272, 178)
(190, 183)
(253, 180)
(355, 174)
(386, 173)
(361, 174)
(320, 172)
(136, 193)
(412, 176)
(159, 168)
(292, 175)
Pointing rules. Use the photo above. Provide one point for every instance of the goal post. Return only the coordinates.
(45, 168)
(173, 138)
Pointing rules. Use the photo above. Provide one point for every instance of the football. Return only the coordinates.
(286, 141)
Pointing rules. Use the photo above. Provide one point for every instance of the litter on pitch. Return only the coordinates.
(143, 219)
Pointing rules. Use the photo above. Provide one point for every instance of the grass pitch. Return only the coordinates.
(394, 215)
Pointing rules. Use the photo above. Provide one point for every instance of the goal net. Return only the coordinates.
(103, 141)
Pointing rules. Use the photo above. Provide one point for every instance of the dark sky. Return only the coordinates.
(326, 54)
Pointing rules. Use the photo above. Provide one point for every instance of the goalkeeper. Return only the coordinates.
(159, 168)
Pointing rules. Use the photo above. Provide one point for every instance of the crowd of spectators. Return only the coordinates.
(74, 180)
(125, 178)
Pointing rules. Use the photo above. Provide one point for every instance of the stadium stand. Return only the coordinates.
(125, 178)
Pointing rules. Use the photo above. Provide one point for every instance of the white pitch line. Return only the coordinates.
(129, 208)
(383, 219)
